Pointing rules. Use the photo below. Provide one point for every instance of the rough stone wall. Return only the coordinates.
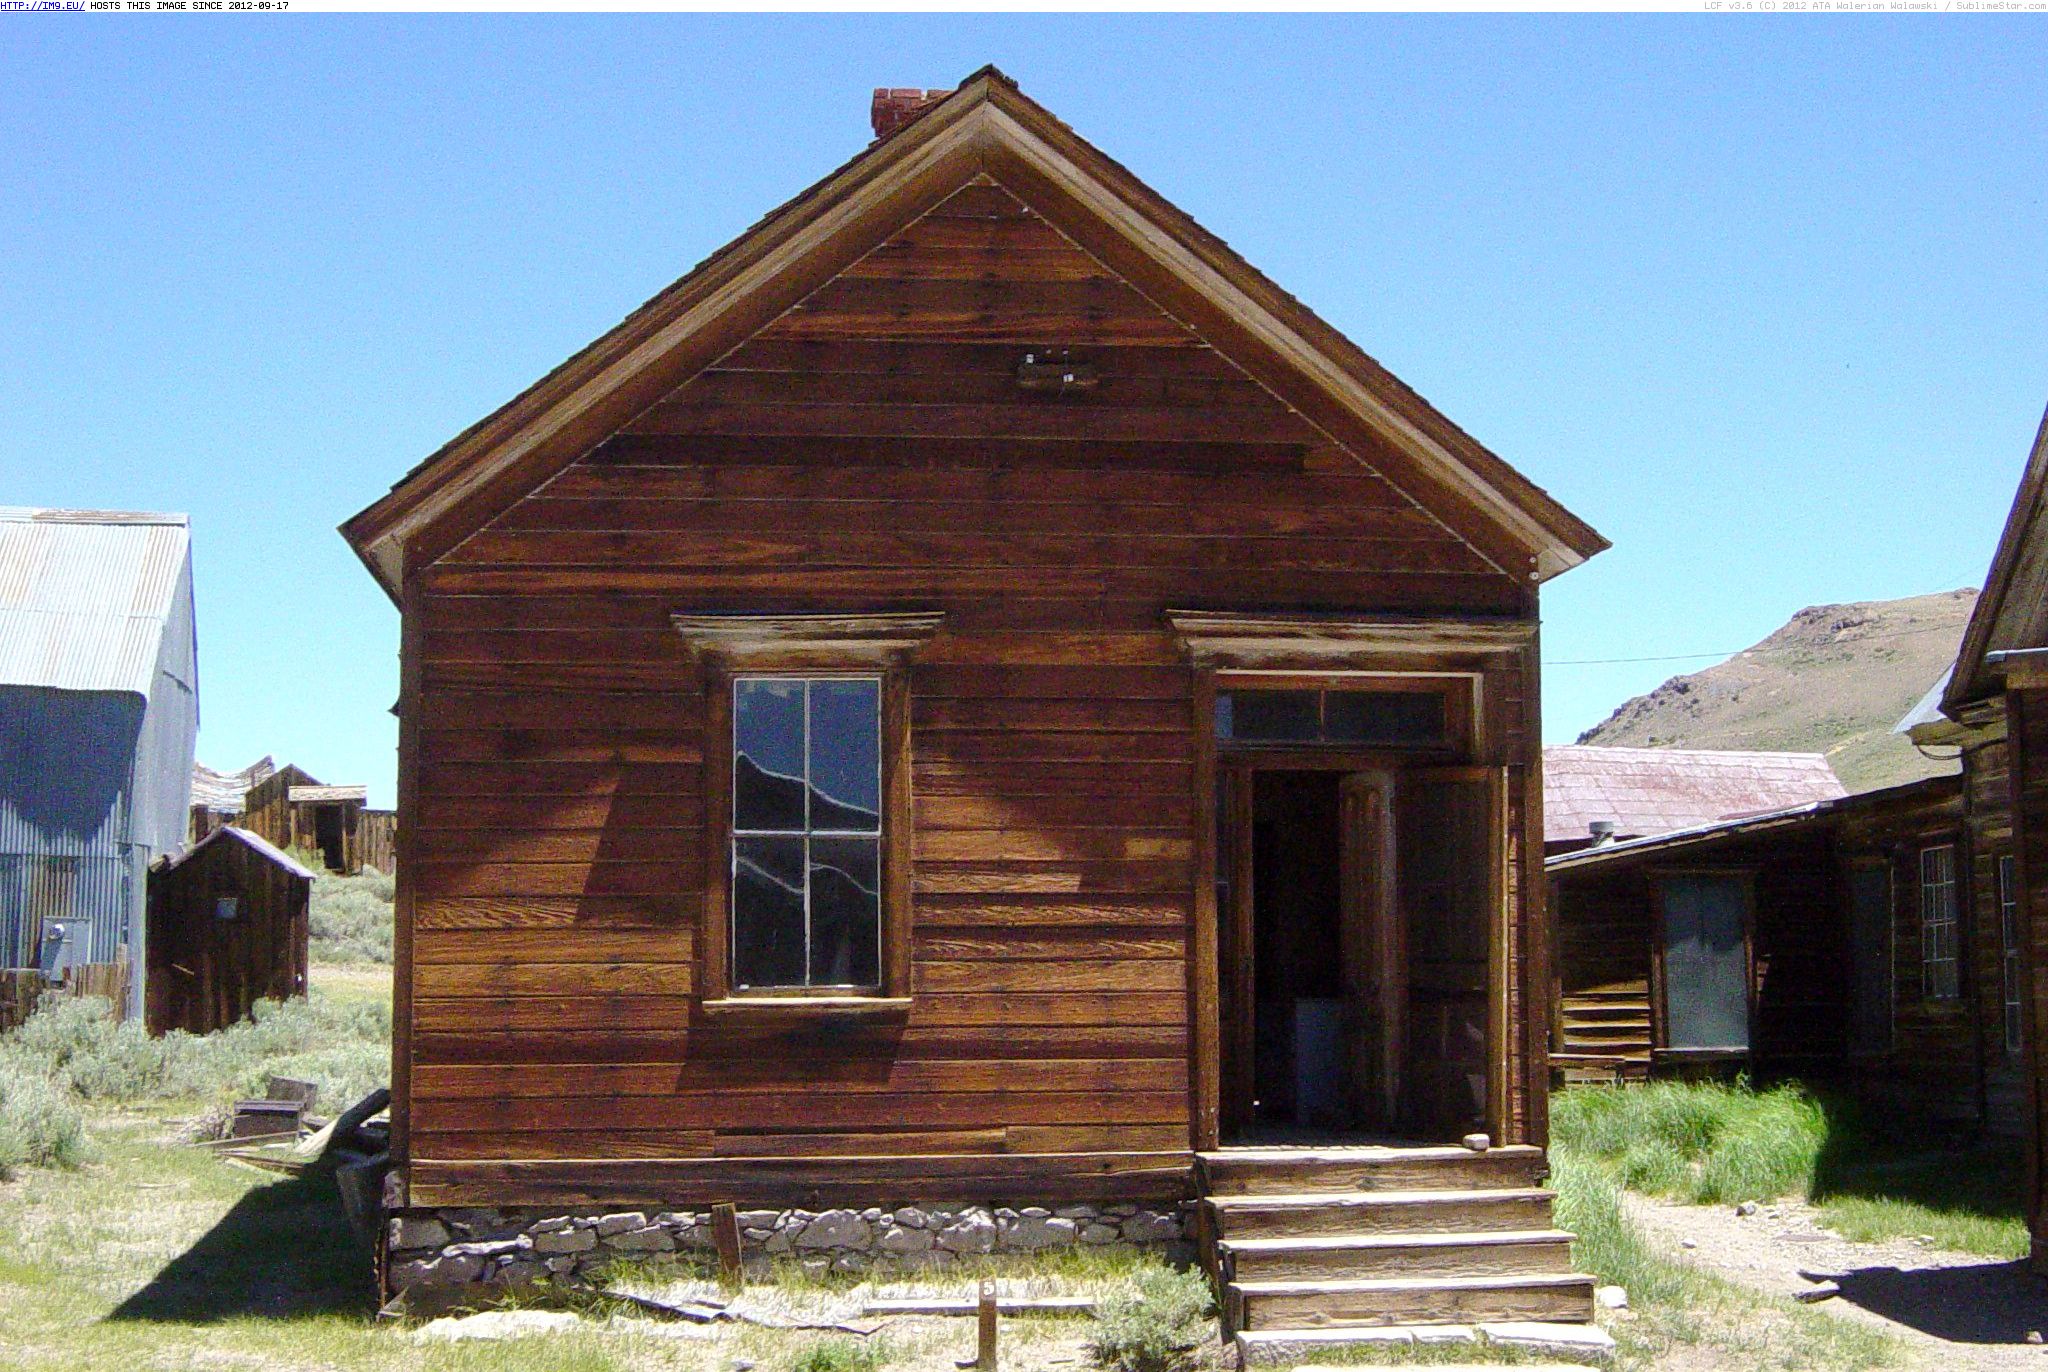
(442, 1248)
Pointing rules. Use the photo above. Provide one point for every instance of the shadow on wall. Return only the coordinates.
(282, 1252)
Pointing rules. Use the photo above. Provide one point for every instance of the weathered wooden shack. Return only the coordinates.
(296, 812)
(99, 712)
(876, 727)
(1724, 947)
(1994, 710)
(219, 798)
(228, 926)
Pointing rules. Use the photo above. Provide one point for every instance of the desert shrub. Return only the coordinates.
(840, 1355)
(344, 1047)
(1155, 1326)
(1703, 1142)
(40, 1124)
(350, 919)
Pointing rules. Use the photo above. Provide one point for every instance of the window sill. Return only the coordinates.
(778, 1006)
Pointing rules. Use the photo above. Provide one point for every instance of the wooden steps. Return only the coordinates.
(1327, 1239)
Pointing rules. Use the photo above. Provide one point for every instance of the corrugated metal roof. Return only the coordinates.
(226, 790)
(1658, 790)
(84, 595)
(1927, 710)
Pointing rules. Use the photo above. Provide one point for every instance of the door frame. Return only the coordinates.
(1660, 1005)
(1215, 762)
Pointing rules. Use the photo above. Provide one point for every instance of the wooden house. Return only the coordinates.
(1994, 710)
(227, 928)
(1722, 948)
(975, 694)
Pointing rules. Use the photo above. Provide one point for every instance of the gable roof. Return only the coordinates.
(2012, 613)
(253, 841)
(1647, 791)
(986, 129)
(85, 595)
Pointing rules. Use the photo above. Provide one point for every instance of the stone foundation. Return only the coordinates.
(445, 1248)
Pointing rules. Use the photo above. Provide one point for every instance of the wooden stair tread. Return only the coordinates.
(1424, 1239)
(1319, 1199)
(1369, 1285)
(1346, 1155)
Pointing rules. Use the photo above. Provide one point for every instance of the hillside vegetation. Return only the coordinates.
(1833, 680)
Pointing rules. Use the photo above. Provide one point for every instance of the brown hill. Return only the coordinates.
(1834, 680)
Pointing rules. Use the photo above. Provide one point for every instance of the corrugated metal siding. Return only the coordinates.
(84, 596)
(66, 760)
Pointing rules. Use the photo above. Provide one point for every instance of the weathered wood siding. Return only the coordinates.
(205, 972)
(2027, 721)
(1988, 807)
(870, 451)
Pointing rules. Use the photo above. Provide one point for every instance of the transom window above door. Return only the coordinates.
(1363, 717)
(806, 846)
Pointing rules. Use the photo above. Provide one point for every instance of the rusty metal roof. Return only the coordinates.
(1646, 791)
(84, 596)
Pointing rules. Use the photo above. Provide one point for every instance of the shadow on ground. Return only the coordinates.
(1991, 1302)
(284, 1250)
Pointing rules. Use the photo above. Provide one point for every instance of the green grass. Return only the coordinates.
(1713, 1143)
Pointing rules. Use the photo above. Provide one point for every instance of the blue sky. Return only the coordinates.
(1764, 298)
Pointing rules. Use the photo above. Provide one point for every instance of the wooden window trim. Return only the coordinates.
(2011, 977)
(727, 647)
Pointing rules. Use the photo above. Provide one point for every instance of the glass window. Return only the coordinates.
(1940, 970)
(2009, 948)
(806, 832)
(1706, 961)
(1371, 719)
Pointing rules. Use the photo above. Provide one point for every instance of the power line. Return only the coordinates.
(1730, 653)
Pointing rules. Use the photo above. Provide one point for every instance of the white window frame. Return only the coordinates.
(2009, 949)
(1941, 970)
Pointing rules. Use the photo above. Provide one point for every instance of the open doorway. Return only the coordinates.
(328, 832)
(1355, 950)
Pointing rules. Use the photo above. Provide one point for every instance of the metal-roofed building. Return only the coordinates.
(1595, 793)
(99, 712)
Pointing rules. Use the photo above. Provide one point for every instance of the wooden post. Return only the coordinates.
(725, 1232)
(985, 1328)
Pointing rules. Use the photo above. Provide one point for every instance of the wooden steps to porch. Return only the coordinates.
(1325, 1239)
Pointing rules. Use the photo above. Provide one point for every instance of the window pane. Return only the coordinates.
(1386, 718)
(1706, 962)
(1267, 716)
(846, 911)
(768, 755)
(768, 911)
(846, 755)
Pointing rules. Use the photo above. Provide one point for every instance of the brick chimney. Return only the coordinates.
(895, 108)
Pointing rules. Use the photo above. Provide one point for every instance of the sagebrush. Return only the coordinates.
(74, 1042)
(1156, 1326)
(350, 920)
(40, 1123)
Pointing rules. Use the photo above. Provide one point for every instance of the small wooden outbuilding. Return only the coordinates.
(296, 812)
(228, 925)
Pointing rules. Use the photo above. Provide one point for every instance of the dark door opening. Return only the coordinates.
(1355, 953)
(327, 835)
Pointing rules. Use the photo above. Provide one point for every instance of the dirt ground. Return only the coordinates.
(1951, 1310)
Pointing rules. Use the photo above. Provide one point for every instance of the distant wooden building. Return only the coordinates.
(295, 811)
(219, 798)
(1826, 941)
(975, 693)
(1994, 709)
(228, 926)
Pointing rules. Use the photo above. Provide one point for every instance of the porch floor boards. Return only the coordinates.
(1320, 1240)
